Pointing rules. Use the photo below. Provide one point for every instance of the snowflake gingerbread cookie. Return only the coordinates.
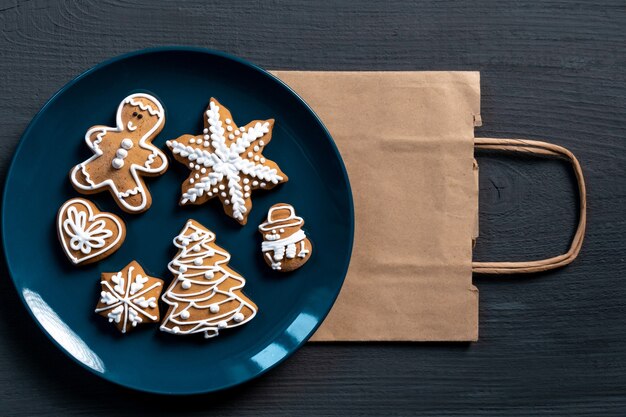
(227, 162)
(285, 245)
(206, 295)
(88, 235)
(124, 154)
(129, 297)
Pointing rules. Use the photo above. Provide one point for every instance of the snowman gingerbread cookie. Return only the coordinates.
(124, 154)
(285, 245)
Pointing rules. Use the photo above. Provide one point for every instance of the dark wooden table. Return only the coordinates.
(552, 343)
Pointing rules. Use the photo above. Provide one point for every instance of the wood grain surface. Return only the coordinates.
(551, 344)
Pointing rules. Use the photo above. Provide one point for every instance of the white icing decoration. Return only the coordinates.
(126, 143)
(126, 299)
(117, 163)
(204, 284)
(186, 284)
(184, 314)
(274, 265)
(86, 230)
(303, 251)
(147, 168)
(226, 163)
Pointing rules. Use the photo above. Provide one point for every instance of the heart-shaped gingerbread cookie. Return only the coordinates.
(87, 234)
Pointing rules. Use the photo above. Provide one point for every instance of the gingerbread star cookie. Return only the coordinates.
(124, 154)
(206, 295)
(129, 297)
(285, 245)
(88, 235)
(227, 162)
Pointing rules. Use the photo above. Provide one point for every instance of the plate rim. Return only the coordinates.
(190, 49)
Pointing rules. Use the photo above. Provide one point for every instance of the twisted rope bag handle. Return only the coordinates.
(539, 148)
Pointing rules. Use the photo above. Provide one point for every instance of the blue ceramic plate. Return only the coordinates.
(61, 297)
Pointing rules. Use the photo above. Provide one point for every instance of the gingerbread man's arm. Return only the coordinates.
(94, 136)
(157, 161)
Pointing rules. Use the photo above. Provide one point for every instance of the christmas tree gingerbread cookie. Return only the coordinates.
(206, 295)
(285, 245)
(129, 297)
(124, 154)
(88, 235)
(227, 162)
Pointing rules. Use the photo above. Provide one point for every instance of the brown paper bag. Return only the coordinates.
(407, 139)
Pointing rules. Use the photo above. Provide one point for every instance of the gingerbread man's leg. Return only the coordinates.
(133, 198)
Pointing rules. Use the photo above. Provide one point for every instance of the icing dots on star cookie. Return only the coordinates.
(86, 234)
(129, 297)
(285, 245)
(123, 155)
(227, 162)
(206, 295)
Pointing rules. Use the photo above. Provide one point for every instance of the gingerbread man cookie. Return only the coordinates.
(285, 245)
(206, 296)
(129, 297)
(227, 162)
(124, 154)
(88, 235)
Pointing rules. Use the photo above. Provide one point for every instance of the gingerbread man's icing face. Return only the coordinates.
(138, 115)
